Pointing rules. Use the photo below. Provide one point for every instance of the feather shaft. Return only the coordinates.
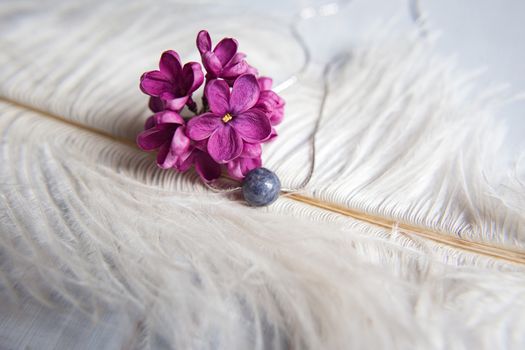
(494, 251)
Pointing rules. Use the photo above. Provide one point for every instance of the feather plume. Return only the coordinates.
(89, 227)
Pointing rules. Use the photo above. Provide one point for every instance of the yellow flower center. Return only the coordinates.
(227, 117)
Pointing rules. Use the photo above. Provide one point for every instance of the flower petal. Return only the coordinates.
(272, 135)
(265, 105)
(154, 83)
(170, 65)
(245, 93)
(180, 143)
(225, 50)
(238, 168)
(156, 104)
(165, 117)
(203, 42)
(277, 116)
(234, 169)
(217, 93)
(192, 77)
(252, 70)
(233, 71)
(269, 96)
(211, 63)
(251, 150)
(149, 123)
(154, 137)
(202, 145)
(248, 164)
(273, 105)
(185, 162)
(174, 152)
(253, 125)
(206, 167)
(176, 104)
(238, 57)
(225, 144)
(166, 158)
(202, 126)
(265, 83)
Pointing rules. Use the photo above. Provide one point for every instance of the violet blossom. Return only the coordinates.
(223, 61)
(195, 153)
(271, 103)
(166, 132)
(173, 83)
(232, 119)
(163, 131)
(238, 113)
(249, 159)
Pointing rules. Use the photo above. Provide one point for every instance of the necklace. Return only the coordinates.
(261, 186)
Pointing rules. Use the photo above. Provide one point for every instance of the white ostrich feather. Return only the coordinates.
(88, 223)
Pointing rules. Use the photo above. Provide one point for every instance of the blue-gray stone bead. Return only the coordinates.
(261, 187)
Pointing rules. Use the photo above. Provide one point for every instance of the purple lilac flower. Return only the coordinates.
(164, 132)
(269, 101)
(232, 119)
(249, 159)
(155, 104)
(223, 61)
(196, 154)
(173, 83)
(233, 122)
(205, 166)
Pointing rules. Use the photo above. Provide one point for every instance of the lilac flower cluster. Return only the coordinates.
(239, 111)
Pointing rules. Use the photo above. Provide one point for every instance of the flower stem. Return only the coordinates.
(205, 106)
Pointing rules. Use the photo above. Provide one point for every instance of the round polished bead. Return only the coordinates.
(261, 187)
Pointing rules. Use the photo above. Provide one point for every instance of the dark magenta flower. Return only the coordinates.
(223, 61)
(196, 154)
(173, 83)
(249, 159)
(164, 132)
(232, 119)
(205, 166)
(271, 103)
(156, 105)
(238, 113)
